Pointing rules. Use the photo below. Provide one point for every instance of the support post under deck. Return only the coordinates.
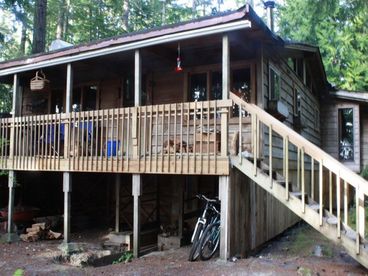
(224, 196)
(11, 183)
(67, 188)
(117, 203)
(136, 192)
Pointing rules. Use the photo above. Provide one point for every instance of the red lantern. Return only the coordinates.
(178, 67)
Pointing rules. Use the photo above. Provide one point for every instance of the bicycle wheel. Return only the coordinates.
(210, 241)
(194, 251)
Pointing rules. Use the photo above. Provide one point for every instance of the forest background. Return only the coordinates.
(338, 27)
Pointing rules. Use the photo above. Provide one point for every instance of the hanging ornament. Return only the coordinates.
(178, 67)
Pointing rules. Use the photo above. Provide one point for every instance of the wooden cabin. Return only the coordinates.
(343, 130)
(142, 122)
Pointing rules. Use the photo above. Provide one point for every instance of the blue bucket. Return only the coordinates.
(112, 147)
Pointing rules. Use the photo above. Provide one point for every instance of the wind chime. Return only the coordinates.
(178, 67)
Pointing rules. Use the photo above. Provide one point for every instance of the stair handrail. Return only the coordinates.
(355, 180)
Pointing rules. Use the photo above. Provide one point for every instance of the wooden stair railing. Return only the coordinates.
(323, 200)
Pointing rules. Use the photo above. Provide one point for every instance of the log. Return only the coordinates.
(51, 235)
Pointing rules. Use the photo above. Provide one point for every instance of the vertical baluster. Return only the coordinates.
(175, 138)
(150, 135)
(298, 169)
(312, 178)
(215, 130)
(128, 139)
(86, 133)
(102, 153)
(287, 167)
(302, 178)
(357, 220)
(113, 138)
(109, 138)
(320, 192)
(330, 191)
(98, 131)
(240, 136)
(168, 136)
(201, 140)
(181, 137)
(255, 144)
(156, 138)
(345, 202)
(118, 139)
(208, 136)
(188, 130)
(145, 139)
(162, 136)
(58, 140)
(270, 154)
(195, 136)
(338, 204)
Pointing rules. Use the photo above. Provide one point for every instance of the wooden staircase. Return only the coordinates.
(328, 212)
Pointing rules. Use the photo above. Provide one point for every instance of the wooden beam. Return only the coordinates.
(224, 196)
(11, 182)
(225, 67)
(117, 202)
(67, 188)
(69, 88)
(137, 78)
(136, 192)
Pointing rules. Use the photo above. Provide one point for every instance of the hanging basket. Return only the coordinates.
(39, 82)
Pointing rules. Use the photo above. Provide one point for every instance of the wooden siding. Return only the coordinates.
(256, 215)
(310, 108)
(364, 137)
(330, 131)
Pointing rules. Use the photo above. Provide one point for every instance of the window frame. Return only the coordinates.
(277, 96)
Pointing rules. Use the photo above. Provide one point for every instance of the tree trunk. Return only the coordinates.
(23, 39)
(39, 27)
(126, 25)
(60, 28)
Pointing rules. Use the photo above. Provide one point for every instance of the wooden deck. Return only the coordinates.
(183, 138)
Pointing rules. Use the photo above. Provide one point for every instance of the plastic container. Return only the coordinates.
(112, 147)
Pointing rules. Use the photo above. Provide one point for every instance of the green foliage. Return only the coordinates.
(19, 272)
(126, 257)
(364, 173)
(339, 28)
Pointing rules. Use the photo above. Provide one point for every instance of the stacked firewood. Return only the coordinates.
(39, 231)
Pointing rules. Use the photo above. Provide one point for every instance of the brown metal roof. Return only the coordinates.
(130, 37)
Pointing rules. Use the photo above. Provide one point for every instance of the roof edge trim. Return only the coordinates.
(227, 27)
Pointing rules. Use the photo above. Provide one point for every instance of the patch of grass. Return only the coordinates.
(19, 272)
(126, 257)
(302, 243)
(352, 218)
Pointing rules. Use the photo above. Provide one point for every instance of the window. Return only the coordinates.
(241, 83)
(198, 87)
(346, 134)
(274, 84)
(84, 98)
(216, 86)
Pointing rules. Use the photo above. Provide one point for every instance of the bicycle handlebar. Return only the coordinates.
(203, 197)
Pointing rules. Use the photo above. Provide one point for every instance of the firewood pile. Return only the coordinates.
(39, 231)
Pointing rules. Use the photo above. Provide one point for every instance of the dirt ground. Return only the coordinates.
(299, 251)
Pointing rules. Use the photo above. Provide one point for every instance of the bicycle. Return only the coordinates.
(209, 216)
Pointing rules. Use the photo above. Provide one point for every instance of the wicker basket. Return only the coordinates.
(39, 82)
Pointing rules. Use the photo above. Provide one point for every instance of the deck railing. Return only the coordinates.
(188, 138)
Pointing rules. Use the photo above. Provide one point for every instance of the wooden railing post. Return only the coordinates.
(224, 131)
(361, 213)
(134, 127)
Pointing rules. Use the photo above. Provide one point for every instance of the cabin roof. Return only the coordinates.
(243, 18)
(352, 96)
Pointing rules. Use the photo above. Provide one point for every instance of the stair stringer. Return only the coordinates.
(295, 205)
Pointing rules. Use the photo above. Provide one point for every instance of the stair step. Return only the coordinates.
(283, 184)
(267, 171)
(332, 220)
(314, 206)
